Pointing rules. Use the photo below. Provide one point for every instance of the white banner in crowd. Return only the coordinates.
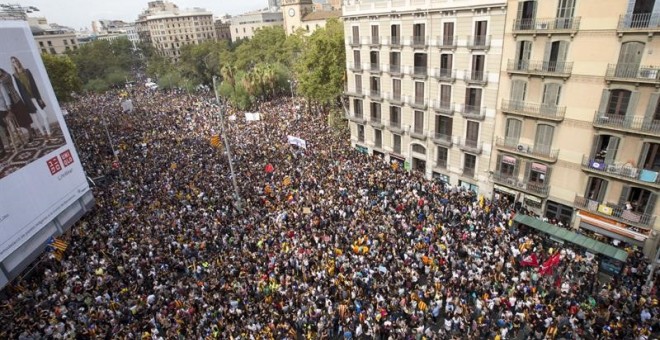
(41, 178)
(232, 117)
(297, 141)
(249, 117)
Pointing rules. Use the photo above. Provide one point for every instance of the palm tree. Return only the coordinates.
(228, 73)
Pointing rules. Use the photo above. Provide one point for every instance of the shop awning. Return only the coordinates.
(572, 237)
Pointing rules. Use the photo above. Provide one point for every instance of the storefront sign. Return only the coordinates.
(542, 168)
(610, 225)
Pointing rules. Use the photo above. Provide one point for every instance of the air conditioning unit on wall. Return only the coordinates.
(522, 148)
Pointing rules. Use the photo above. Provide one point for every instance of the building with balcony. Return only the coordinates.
(577, 134)
(169, 28)
(422, 84)
(52, 38)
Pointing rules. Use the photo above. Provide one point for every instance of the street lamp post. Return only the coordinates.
(291, 87)
(237, 197)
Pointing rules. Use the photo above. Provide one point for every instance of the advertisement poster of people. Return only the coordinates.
(40, 173)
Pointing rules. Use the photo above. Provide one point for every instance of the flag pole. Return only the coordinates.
(237, 196)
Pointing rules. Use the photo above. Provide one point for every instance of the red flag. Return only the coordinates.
(530, 261)
(269, 168)
(553, 261)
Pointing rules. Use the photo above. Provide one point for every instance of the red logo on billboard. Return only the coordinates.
(67, 158)
(54, 165)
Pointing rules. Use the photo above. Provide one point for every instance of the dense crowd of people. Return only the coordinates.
(324, 243)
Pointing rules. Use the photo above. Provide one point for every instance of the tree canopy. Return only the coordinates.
(63, 75)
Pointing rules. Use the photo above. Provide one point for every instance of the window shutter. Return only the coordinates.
(625, 192)
(548, 49)
(602, 191)
(527, 50)
(650, 205)
(528, 167)
(605, 97)
(650, 109)
(546, 181)
(612, 147)
(516, 168)
(594, 146)
(499, 161)
(642, 156)
(632, 104)
(563, 51)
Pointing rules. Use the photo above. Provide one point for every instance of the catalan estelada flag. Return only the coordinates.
(60, 245)
(215, 141)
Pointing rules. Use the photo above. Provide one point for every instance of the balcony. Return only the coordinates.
(641, 22)
(621, 171)
(607, 210)
(395, 127)
(357, 68)
(354, 41)
(478, 42)
(444, 108)
(507, 180)
(444, 74)
(541, 153)
(374, 68)
(418, 103)
(447, 42)
(560, 69)
(374, 41)
(375, 95)
(356, 118)
(356, 92)
(394, 98)
(473, 112)
(471, 146)
(469, 172)
(418, 134)
(442, 139)
(376, 122)
(475, 77)
(395, 70)
(637, 125)
(395, 41)
(419, 72)
(419, 41)
(541, 111)
(633, 73)
(546, 26)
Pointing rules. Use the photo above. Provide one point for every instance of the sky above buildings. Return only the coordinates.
(79, 14)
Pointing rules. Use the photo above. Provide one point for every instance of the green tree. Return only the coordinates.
(105, 60)
(320, 71)
(63, 75)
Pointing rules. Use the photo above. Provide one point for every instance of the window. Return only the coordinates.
(561, 213)
(378, 138)
(374, 35)
(526, 14)
(507, 166)
(543, 140)
(518, 93)
(565, 12)
(472, 133)
(650, 157)
(374, 59)
(375, 86)
(396, 89)
(637, 200)
(419, 122)
(555, 56)
(442, 157)
(596, 189)
(419, 92)
(395, 116)
(513, 128)
(395, 62)
(375, 112)
(418, 34)
(360, 133)
(537, 173)
(478, 65)
(445, 96)
(420, 64)
(480, 31)
(551, 92)
(395, 31)
(472, 100)
(41, 44)
(605, 148)
(418, 149)
(446, 61)
(469, 164)
(443, 127)
(448, 34)
(356, 35)
(357, 107)
(618, 102)
(52, 51)
(358, 83)
(356, 59)
(396, 144)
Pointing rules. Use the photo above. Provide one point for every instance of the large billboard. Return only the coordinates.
(41, 177)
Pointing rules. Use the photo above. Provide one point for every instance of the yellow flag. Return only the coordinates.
(395, 165)
(215, 141)
(173, 166)
(286, 181)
